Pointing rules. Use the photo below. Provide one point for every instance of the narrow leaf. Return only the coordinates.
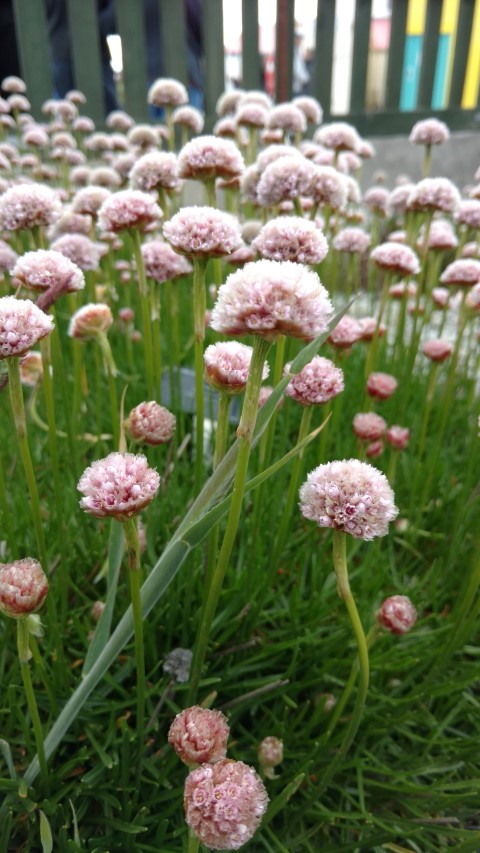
(45, 833)
(116, 546)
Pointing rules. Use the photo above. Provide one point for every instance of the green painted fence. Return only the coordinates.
(31, 27)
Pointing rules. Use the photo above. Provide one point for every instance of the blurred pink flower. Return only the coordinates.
(397, 614)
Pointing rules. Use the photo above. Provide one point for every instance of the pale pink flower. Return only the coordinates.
(36, 136)
(226, 128)
(166, 92)
(275, 152)
(251, 229)
(80, 176)
(323, 156)
(224, 804)
(437, 350)
(128, 209)
(397, 437)
(13, 85)
(23, 587)
(397, 199)
(71, 223)
(28, 206)
(19, 103)
(243, 255)
(156, 169)
(368, 426)
(150, 423)
(429, 131)
(199, 735)
(473, 298)
(402, 289)
(118, 486)
(374, 449)
(397, 614)
(105, 176)
(348, 162)
(370, 327)
(318, 382)
(227, 365)
(254, 96)
(249, 184)
(45, 270)
(351, 496)
(90, 321)
(270, 755)
(352, 240)
(376, 198)
(22, 325)
(251, 115)
(83, 124)
(208, 157)
(126, 315)
(381, 385)
(328, 187)
(440, 296)
(339, 136)
(434, 194)
(189, 117)
(397, 258)
(291, 238)
(228, 102)
(441, 236)
(287, 117)
(347, 332)
(119, 120)
(366, 150)
(286, 178)
(471, 250)
(203, 232)
(90, 199)
(80, 250)
(142, 136)
(7, 257)
(310, 107)
(162, 263)
(31, 369)
(353, 193)
(271, 298)
(465, 271)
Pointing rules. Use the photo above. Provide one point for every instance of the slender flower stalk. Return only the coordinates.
(199, 308)
(145, 311)
(135, 573)
(24, 655)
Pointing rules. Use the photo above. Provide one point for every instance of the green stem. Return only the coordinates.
(157, 350)
(221, 438)
(245, 435)
(193, 842)
(426, 161)
(145, 311)
(18, 408)
(199, 308)
(347, 690)
(133, 551)
(24, 655)
(111, 370)
(372, 350)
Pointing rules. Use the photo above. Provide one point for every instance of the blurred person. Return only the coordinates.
(301, 77)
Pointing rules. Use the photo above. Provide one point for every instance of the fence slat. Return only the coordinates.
(464, 28)
(32, 40)
(363, 14)
(214, 56)
(284, 50)
(131, 28)
(395, 54)
(174, 39)
(251, 60)
(323, 62)
(84, 38)
(429, 54)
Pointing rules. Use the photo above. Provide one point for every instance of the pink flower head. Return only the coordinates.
(28, 206)
(225, 128)
(381, 385)
(473, 298)
(397, 437)
(150, 423)
(256, 97)
(48, 271)
(23, 587)
(265, 392)
(286, 178)
(351, 496)
(291, 238)
(90, 199)
(119, 120)
(328, 187)
(162, 263)
(14, 85)
(243, 255)
(440, 237)
(465, 271)
(397, 614)
(310, 107)
(229, 101)
(429, 131)
(366, 150)
(80, 250)
(118, 486)
(396, 257)
(440, 296)
(199, 736)
(90, 321)
(208, 157)
(402, 289)
(190, 117)
(374, 449)
(166, 92)
(22, 325)
(397, 200)
(369, 327)
(72, 223)
(31, 369)
(376, 198)
(318, 382)
(352, 240)
(203, 232)
(227, 365)
(369, 426)
(224, 804)
(275, 152)
(271, 298)
(339, 136)
(251, 115)
(437, 350)
(468, 213)
(249, 184)
(128, 209)
(434, 194)
(7, 257)
(346, 333)
(156, 169)
(287, 117)
(270, 755)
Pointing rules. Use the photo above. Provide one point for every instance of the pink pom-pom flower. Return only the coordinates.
(368, 426)
(397, 258)
(291, 238)
(23, 587)
(270, 755)
(397, 437)
(199, 735)
(203, 232)
(128, 209)
(227, 365)
(318, 382)
(381, 385)
(429, 131)
(150, 423)
(22, 325)
(437, 350)
(118, 486)
(397, 614)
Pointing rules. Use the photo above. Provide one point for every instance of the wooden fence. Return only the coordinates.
(429, 38)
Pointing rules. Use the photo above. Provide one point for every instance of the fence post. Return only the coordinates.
(398, 27)
(85, 44)
(323, 63)
(32, 39)
(284, 49)
(361, 38)
(131, 28)
(214, 56)
(251, 59)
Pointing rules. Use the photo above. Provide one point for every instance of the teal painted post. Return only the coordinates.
(411, 72)
(439, 100)
(83, 25)
(174, 39)
(214, 56)
(398, 26)
(284, 49)
(251, 59)
(430, 52)
(131, 28)
(361, 40)
(464, 29)
(34, 53)
(323, 62)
